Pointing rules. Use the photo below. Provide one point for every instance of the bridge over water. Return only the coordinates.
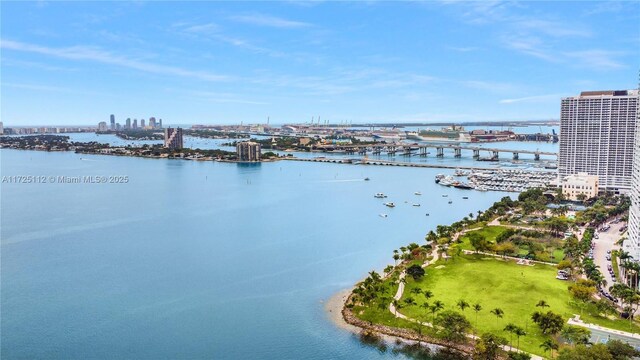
(423, 150)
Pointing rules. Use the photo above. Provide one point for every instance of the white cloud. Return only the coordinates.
(269, 21)
(37, 87)
(463, 48)
(95, 54)
(496, 87)
(537, 98)
(596, 59)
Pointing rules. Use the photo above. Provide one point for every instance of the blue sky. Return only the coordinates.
(227, 62)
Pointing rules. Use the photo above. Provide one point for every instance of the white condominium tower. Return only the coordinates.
(633, 244)
(597, 131)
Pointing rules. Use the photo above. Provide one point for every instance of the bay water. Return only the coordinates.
(200, 260)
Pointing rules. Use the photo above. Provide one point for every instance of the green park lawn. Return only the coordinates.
(489, 232)
(495, 283)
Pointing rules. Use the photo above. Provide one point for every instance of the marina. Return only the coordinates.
(511, 180)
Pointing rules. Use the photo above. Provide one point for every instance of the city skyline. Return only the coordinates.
(222, 63)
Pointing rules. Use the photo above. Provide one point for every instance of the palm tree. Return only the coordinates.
(549, 344)
(427, 294)
(543, 304)
(519, 332)
(498, 313)
(388, 269)
(462, 305)
(511, 328)
(410, 301)
(477, 307)
(396, 257)
(416, 291)
(437, 306)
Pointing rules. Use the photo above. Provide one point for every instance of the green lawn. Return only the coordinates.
(490, 233)
(500, 284)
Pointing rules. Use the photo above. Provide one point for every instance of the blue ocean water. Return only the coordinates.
(199, 260)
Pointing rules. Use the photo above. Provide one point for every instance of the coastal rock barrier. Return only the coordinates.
(406, 334)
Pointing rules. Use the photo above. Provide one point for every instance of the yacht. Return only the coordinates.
(380, 196)
(418, 193)
(416, 205)
(390, 204)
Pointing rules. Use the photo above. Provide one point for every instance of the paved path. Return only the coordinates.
(508, 257)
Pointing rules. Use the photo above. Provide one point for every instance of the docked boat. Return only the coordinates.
(461, 185)
(380, 196)
(390, 204)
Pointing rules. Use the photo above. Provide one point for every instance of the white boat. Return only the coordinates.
(390, 204)
(416, 204)
(380, 196)
(383, 215)
(418, 193)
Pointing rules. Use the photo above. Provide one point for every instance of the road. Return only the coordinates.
(599, 336)
(603, 335)
(605, 242)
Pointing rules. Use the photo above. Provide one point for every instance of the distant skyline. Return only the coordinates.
(75, 63)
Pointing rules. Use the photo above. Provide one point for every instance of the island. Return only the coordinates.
(62, 143)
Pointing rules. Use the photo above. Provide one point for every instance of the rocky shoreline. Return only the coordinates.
(343, 318)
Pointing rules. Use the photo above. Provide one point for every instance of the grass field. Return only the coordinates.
(495, 283)
(489, 232)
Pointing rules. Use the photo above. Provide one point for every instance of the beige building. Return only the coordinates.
(582, 183)
(248, 151)
(173, 138)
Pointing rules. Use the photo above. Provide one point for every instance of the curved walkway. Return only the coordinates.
(400, 291)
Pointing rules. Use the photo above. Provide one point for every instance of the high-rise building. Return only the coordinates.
(102, 126)
(248, 151)
(142, 123)
(118, 127)
(1, 128)
(135, 124)
(173, 138)
(127, 124)
(597, 132)
(152, 122)
(160, 123)
(113, 122)
(632, 245)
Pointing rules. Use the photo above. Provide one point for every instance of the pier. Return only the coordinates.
(423, 150)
